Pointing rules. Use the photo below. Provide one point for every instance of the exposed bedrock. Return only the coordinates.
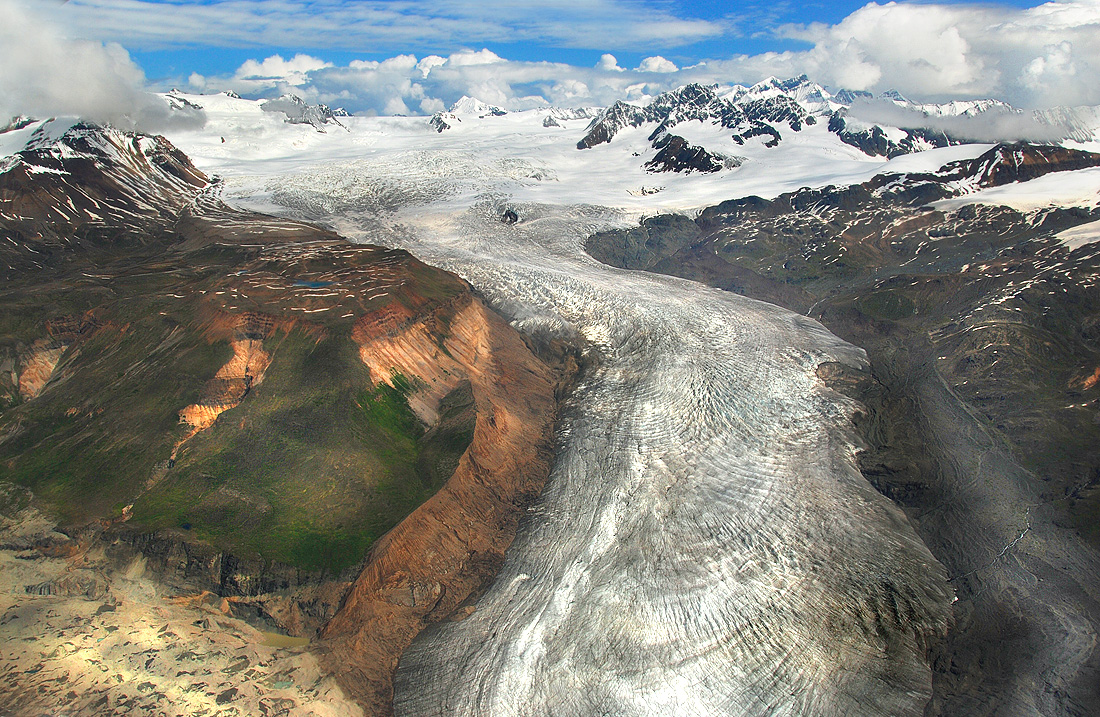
(443, 553)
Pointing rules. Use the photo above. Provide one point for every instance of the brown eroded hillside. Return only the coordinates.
(256, 405)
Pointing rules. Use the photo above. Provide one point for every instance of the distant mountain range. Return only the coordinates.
(887, 125)
(771, 108)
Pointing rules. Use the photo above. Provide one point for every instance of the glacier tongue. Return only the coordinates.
(705, 543)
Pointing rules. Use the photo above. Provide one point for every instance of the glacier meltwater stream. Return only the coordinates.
(705, 543)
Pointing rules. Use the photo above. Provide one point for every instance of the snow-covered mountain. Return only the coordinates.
(746, 117)
(773, 108)
(689, 146)
(703, 128)
(297, 111)
(466, 107)
(67, 175)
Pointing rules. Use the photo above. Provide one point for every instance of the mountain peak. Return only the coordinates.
(471, 106)
(768, 83)
(746, 114)
(894, 96)
(297, 111)
(847, 97)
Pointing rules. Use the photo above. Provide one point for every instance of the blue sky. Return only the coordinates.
(750, 25)
(419, 56)
(175, 50)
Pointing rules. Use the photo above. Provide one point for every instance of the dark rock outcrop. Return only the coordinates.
(646, 245)
(439, 121)
(677, 155)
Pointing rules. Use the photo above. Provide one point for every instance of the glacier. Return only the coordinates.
(706, 542)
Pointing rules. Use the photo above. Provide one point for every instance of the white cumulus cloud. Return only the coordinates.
(44, 74)
(608, 62)
(657, 64)
(293, 70)
(1040, 56)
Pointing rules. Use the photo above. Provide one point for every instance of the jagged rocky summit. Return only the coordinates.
(772, 108)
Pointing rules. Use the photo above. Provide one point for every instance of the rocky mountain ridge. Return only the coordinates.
(746, 117)
(773, 107)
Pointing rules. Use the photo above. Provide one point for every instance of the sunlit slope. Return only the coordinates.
(197, 369)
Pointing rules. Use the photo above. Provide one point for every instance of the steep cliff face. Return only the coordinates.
(38, 367)
(409, 353)
(443, 554)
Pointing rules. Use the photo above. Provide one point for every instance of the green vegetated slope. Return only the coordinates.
(315, 463)
(308, 466)
(312, 466)
(88, 443)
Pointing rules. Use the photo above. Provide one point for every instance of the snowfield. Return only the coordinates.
(1080, 188)
(516, 155)
(1079, 236)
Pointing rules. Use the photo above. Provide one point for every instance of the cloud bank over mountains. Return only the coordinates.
(1039, 57)
(65, 59)
(406, 84)
(43, 74)
(995, 124)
